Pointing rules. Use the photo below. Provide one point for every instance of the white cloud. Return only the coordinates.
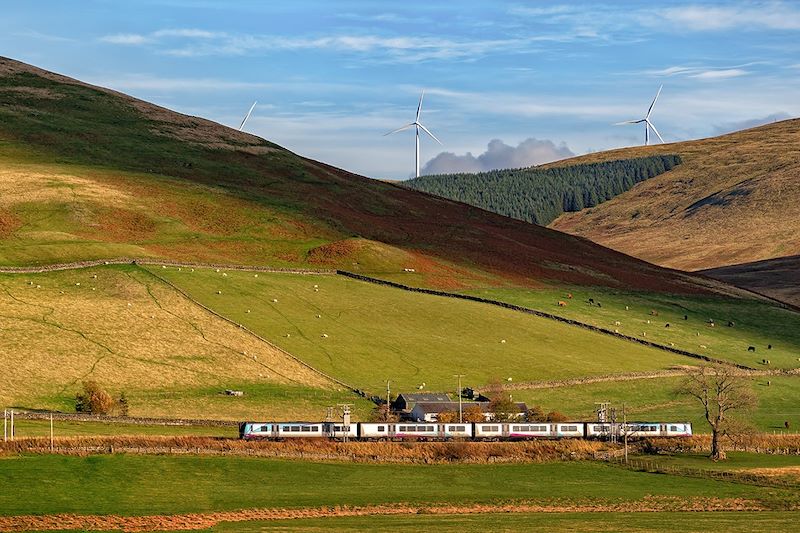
(134, 39)
(750, 15)
(499, 155)
(720, 74)
(134, 82)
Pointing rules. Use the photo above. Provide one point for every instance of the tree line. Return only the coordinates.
(541, 195)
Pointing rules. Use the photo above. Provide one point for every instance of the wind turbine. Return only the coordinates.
(646, 120)
(417, 125)
(241, 126)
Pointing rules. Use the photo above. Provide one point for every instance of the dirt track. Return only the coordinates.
(195, 521)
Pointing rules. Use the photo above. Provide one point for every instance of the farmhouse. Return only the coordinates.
(405, 402)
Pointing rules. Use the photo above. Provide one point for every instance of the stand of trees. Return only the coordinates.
(541, 195)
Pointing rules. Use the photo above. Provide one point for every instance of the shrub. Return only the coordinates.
(555, 416)
(536, 414)
(93, 399)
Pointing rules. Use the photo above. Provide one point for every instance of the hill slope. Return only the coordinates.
(88, 172)
(734, 199)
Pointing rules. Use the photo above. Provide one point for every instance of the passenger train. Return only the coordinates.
(488, 431)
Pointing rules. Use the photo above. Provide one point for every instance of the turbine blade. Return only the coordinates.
(429, 133)
(628, 122)
(399, 129)
(656, 131)
(247, 115)
(419, 107)
(650, 110)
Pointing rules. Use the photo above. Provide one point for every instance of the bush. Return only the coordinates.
(94, 400)
(555, 416)
(535, 414)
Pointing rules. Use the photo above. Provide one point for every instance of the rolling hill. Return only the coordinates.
(90, 173)
(735, 199)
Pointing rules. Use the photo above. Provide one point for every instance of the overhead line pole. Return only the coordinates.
(460, 416)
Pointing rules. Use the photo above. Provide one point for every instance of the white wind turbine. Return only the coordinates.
(416, 124)
(241, 126)
(646, 120)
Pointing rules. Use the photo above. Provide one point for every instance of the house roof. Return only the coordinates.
(439, 407)
(428, 397)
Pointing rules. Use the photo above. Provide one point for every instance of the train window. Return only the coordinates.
(295, 428)
(430, 428)
(264, 429)
(494, 428)
(305, 428)
(515, 428)
(402, 428)
(539, 428)
(569, 428)
(674, 428)
(461, 428)
(381, 428)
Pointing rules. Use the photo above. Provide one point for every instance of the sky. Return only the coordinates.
(507, 84)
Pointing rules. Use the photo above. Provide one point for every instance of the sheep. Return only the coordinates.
(509, 379)
(502, 341)
(653, 312)
(288, 335)
(219, 292)
(616, 331)
(569, 296)
(591, 301)
(39, 287)
(644, 334)
(703, 346)
(217, 270)
(648, 321)
(224, 274)
(274, 300)
(192, 270)
(316, 286)
(78, 284)
(617, 323)
(562, 303)
(324, 335)
(627, 308)
(666, 325)
(769, 346)
(163, 266)
(686, 317)
(255, 275)
(731, 324)
(248, 311)
(751, 348)
(599, 304)
(319, 316)
(94, 276)
(672, 344)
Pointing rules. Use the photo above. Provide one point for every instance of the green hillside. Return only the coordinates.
(88, 172)
(540, 195)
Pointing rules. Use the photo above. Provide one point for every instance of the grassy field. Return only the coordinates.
(365, 334)
(740, 522)
(755, 323)
(655, 399)
(63, 428)
(136, 485)
(132, 333)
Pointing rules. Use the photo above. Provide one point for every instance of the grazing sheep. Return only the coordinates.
(599, 304)
(703, 346)
(562, 303)
(219, 292)
(617, 323)
(274, 300)
(163, 266)
(569, 296)
(324, 335)
(39, 287)
(591, 301)
(686, 317)
(217, 270)
(616, 331)
(653, 312)
(627, 308)
(509, 379)
(94, 276)
(666, 325)
(78, 284)
(502, 341)
(316, 286)
(644, 334)
(751, 348)
(319, 316)
(648, 321)
(192, 270)
(769, 346)
(731, 324)
(248, 311)
(672, 344)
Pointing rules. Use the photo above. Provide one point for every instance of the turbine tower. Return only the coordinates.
(417, 125)
(646, 120)
(241, 126)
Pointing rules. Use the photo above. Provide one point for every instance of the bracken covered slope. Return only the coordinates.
(734, 200)
(87, 172)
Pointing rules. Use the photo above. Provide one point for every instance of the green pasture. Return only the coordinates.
(137, 485)
(366, 334)
(69, 428)
(755, 323)
(656, 399)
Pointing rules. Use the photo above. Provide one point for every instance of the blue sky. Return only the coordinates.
(332, 77)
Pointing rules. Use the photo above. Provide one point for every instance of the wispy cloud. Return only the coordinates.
(138, 82)
(134, 39)
(748, 15)
(702, 72)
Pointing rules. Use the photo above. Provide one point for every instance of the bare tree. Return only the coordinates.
(721, 389)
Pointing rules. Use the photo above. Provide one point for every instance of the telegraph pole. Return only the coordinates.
(51, 432)
(625, 428)
(388, 399)
(5, 425)
(12, 424)
(458, 391)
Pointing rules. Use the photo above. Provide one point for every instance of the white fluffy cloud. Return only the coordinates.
(499, 155)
